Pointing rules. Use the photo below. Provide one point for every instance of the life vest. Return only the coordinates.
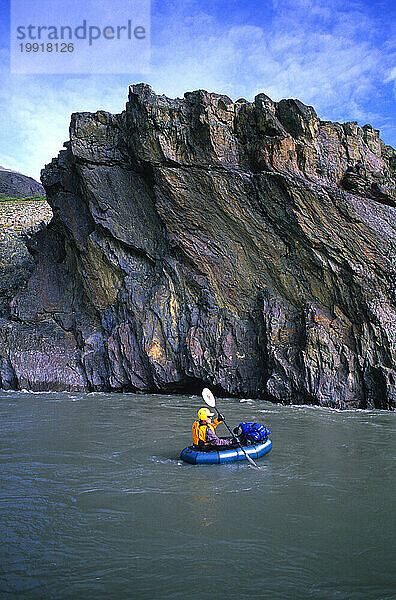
(199, 432)
(253, 432)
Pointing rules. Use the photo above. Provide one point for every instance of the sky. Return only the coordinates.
(338, 56)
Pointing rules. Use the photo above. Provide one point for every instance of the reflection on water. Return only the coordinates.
(95, 503)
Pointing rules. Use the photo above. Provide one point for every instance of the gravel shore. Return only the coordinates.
(17, 217)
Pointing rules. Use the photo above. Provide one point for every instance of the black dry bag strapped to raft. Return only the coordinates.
(252, 432)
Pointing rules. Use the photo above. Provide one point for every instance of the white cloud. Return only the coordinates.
(37, 112)
(333, 57)
(391, 75)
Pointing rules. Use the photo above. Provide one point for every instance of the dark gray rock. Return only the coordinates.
(245, 246)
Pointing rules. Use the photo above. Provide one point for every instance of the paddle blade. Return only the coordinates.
(208, 397)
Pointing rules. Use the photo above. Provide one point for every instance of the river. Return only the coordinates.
(95, 503)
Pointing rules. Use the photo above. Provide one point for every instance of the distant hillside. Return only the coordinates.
(16, 185)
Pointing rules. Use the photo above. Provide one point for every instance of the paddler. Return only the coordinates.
(203, 430)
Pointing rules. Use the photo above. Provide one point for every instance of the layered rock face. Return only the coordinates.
(244, 246)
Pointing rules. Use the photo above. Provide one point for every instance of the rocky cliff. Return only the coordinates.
(246, 246)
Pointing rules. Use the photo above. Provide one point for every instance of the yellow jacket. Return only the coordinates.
(199, 431)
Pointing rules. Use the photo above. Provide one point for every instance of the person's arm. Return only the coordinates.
(211, 438)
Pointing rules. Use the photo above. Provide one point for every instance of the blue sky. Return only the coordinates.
(338, 56)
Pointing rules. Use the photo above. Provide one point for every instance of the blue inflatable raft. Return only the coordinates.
(217, 457)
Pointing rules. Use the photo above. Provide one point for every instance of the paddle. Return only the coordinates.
(210, 401)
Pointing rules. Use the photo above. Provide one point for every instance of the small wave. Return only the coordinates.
(23, 392)
(166, 461)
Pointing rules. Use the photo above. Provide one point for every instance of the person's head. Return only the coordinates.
(204, 414)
